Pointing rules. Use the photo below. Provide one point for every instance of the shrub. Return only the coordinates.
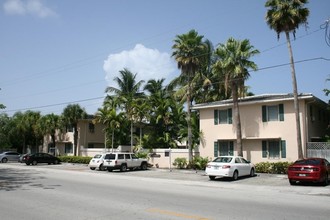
(199, 163)
(75, 159)
(180, 162)
(274, 168)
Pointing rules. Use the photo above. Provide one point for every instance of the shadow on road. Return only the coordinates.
(14, 179)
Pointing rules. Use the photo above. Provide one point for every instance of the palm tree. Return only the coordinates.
(71, 114)
(188, 51)
(232, 66)
(127, 91)
(48, 125)
(286, 16)
(112, 121)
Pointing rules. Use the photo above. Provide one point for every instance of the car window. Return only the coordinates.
(244, 161)
(120, 156)
(127, 156)
(223, 159)
(308, 162)
(97, 156)
(134, 156)
(237, 160)
(110, 157)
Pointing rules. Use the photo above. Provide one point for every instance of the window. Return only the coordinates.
(274, 149)
(68, 148)
(223, 148)
(90, 145)
(91, 127)
(121, 156)
(273, 113)
(223, 116)
(69, 128)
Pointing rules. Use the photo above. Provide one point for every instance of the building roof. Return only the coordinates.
(264, 98)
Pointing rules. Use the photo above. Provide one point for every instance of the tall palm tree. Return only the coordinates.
(48, 125)
(188, 51)
(232, 66)
(71, 114)
(112, 121)
(286, 16)
(128, 90)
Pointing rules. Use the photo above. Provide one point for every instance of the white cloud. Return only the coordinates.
(146, 63)
(32, 7)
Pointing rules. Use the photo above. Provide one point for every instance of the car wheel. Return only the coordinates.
(144, 166)
(123, 167)
(92, 168)
(252, 172)
(101, 167)
(292, 182)
(4, 160)
(34, 162)
(235, 175)
(326, 180)
(212, 177)
(55, 161)
(27, 164)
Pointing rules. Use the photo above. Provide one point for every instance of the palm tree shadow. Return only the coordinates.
(15, 179)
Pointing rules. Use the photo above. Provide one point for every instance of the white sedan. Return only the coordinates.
(229, 166)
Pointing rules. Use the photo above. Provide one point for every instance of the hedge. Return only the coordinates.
(274, 168)
(75, 159)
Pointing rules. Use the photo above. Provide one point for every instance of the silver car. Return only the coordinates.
(9, 156)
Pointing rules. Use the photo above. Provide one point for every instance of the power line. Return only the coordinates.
(52, 105)
(327, 31)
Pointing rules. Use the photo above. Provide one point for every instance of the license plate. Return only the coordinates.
(302, 174)
(216, 167)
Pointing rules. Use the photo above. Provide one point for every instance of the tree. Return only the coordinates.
(232, 68)
(128, 90)
(109, 117)
(286, 16)
(48, 125)
(71, 115)
(188, 50)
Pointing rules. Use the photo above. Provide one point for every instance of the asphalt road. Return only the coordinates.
(69, 191)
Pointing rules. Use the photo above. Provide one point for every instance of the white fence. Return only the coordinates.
(318, 149)
(160, 158)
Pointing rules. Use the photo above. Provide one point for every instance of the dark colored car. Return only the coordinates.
(36, 158)
(309, 170)
(9, 156)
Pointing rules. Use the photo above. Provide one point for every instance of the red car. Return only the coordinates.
(309, 170)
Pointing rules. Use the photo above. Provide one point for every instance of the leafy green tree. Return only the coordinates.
(232, 66)
(188, 51)
(128, 90)
(286, 16)
(48, 125)
(71, 115)
(112, 121)
(4, 131)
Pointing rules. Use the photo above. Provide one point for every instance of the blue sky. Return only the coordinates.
(58, 52)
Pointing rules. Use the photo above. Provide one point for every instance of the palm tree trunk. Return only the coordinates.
(189, 120)
(237, 119)
(295, 96)
(131, 135)
(75, 140)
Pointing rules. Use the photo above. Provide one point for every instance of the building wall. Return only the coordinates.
(254, 130)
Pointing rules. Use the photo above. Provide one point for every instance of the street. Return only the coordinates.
(75, 192)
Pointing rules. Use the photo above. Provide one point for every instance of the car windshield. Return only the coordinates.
(308, 162)
(223, 159)
(97, 156)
